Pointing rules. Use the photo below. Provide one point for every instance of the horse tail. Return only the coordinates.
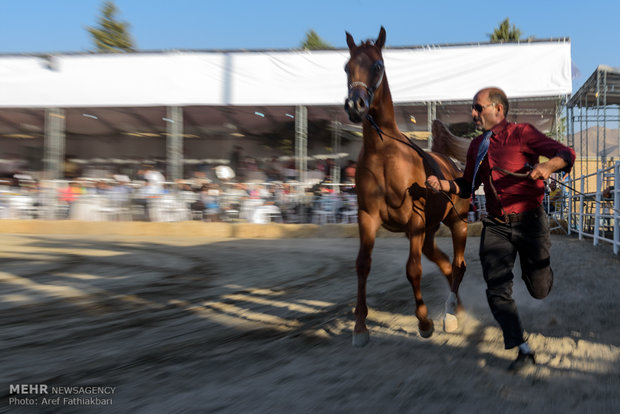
(445, 142)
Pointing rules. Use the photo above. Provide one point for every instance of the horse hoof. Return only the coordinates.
(360, 339)
(450, 322)
(427, 333)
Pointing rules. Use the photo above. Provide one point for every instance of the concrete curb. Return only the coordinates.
(198, 229)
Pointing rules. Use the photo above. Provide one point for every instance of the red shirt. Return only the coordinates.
(513, 147)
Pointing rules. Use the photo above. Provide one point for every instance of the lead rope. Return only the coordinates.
(582, 194)
(514, 174)
(527, 175)
(425, 157)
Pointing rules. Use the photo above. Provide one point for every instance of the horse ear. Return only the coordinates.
(380, 42)
(350, 41)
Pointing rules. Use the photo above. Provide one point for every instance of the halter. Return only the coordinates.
(370, 91)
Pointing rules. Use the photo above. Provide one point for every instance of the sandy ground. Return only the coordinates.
(245, 326)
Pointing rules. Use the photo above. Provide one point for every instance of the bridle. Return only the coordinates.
(377, 66)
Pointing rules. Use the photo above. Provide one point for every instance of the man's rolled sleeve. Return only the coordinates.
(464, 187)
(567, 155)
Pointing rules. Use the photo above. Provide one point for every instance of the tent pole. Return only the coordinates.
(604, 150)
(598, 116)
(335, 172)
(174, 143)
(301, 143)
(54, 143)
(431, 111)
(54, 154)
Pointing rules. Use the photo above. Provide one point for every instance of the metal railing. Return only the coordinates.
(595, 214)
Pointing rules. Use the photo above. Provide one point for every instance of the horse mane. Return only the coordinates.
(367, 43)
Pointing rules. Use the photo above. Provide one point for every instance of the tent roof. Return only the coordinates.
(222, 92)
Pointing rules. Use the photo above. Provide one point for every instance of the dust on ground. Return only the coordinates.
(190, 325)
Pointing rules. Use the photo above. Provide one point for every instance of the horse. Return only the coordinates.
(391, 190)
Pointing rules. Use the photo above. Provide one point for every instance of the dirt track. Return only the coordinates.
(238, 326)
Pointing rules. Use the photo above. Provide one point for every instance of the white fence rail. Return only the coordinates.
(596, 214)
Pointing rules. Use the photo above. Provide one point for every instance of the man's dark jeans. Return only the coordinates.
(501, 240)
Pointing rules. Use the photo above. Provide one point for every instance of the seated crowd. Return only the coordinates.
(264, 195)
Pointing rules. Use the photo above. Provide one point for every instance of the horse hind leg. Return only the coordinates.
(453, 304)
(454, 274)
(434, 254)
(459, 241)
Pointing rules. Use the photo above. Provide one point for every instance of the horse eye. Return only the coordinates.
(378, 66)
(346, 68)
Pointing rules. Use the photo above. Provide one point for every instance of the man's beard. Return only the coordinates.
(478, 123)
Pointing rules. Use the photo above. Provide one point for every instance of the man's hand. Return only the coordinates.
(433, 183)
(540, 172)
(543, 170)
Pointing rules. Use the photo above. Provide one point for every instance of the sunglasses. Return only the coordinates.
(479, 108)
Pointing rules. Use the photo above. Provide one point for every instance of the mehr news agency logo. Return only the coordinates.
(44, 395)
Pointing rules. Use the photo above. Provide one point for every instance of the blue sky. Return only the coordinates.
(43, 26)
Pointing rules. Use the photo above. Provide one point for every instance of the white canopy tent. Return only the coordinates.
(248, 92)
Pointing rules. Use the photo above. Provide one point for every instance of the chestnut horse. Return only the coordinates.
(391, 191)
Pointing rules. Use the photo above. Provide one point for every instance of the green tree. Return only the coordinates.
(505, 33)
(112, 35)
(314, 42)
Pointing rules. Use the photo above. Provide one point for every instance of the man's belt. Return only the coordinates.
(518, 217)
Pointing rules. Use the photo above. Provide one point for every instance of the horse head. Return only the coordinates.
(365, 71)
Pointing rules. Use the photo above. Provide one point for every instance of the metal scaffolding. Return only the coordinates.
(593, 115)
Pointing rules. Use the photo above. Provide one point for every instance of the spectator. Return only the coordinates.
(209, 197)
(349, 173)
(235, 161)
(273, 170)
(69, 194)
(555, 196)
(289, 172)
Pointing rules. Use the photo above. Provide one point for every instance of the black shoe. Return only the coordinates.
(523, 361)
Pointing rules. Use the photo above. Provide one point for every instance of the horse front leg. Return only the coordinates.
(367, 231)
(414, 275)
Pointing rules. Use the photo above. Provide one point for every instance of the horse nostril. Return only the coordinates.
(361, 103)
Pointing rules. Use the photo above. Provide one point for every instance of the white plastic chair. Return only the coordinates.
(349, 214)
(325, 209)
